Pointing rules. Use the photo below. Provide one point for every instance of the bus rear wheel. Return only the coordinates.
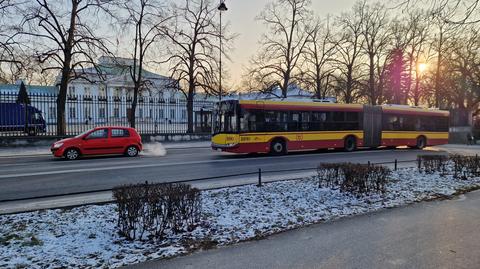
(350, 144)
(278, 147)
(421, 142)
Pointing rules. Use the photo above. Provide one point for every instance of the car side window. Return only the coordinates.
(102, 133)
(120, 133)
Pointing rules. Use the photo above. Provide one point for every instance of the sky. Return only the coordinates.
(241, 16)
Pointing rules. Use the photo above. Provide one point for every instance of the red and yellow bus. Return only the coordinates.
(251, 126)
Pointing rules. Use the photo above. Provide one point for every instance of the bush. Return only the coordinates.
(465, 166)
(432, 163)
(151, 209)
(329, 174)
(354, 178)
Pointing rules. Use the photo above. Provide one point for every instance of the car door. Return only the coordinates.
(119, 139)
(96, 142)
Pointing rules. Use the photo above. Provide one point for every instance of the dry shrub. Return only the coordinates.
(151, 209)
(354, 178)
(465, 166)
(432, 163)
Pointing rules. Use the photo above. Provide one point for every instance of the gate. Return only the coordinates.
(372, 126)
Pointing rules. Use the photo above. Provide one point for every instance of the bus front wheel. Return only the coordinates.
(278, 147)
(350, 144)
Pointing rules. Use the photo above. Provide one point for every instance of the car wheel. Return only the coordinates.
(131, 151)
(278, 147)
(350, 144)
(421, 142)
(72, 154)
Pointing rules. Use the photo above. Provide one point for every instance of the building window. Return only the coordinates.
(71, 91)
(52, 112)
(87, 91)
(140, 113)
(72, 113)
(102, 92)
(160, 113)
(101, 112)
(117, 93)
(184, 114)
(87, 115)
(116, 112)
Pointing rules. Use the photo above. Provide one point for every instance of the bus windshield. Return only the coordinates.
(225, 117)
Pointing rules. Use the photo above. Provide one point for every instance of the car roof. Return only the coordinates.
(114, 127)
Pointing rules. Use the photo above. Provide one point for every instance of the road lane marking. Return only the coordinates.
(80, 170)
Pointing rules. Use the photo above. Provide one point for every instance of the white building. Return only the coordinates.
(110, 80)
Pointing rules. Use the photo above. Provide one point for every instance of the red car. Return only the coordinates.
(99, 141)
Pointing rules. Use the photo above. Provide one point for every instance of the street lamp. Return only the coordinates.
(222, 7)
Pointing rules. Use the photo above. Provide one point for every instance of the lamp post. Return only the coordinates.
(222, 7)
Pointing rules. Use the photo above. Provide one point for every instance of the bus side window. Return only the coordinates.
(306, 120)
(293, 124)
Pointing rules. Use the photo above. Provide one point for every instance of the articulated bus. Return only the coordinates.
(276, 127)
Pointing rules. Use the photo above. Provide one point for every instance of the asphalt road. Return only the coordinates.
(440, 234)
(36, 176)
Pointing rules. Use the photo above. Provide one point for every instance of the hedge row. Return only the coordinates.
(152, 209)
(462, 167)
(353, 178)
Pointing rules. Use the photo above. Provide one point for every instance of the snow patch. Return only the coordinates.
(86, 237)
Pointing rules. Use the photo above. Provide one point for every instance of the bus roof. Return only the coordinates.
(290, 105)
(312, 105)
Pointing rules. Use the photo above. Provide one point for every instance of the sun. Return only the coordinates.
(422, 67)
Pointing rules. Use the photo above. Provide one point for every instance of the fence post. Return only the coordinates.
(419, 163)
(259, 177)
(395, 164)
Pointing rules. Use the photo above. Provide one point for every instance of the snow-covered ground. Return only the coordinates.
(85, 237)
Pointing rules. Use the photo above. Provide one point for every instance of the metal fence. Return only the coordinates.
(154, 116)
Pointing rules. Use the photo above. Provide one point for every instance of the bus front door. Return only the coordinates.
(372, 126)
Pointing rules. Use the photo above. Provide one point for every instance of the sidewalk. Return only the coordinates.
(440, 234)
(461, 149)
(45, 150)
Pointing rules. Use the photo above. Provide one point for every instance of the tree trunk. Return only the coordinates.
(371, 80)
(66, 70)
(133, 118)
(286, 81)
(190, 96)
(318, 82)
(349, 88)
(62, 99)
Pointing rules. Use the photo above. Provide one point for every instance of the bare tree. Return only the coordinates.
(9, 48)
(63, 39)
(348, 55)
(415, 36)
(464, 11)
(283, 45)
(444, 31)
(463, 69)
(317, 59)
(147, 18)
(192, 54)
(376, 37)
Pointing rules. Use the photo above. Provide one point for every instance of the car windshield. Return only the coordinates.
(84, 133)
(225, 117)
